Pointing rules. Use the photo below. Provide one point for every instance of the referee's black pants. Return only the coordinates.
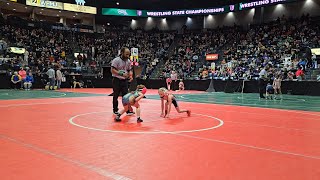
(173, 85)
(118, 86)
(262, 87)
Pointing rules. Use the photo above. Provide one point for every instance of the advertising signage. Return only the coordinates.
(79, 7)
(187, 12)
(212, 57)
(45, 4)
(147, 13)
(203, 11)
(121, 12)
(254, 4)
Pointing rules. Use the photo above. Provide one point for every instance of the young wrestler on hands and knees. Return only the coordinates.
(132, 99)
(170, 99)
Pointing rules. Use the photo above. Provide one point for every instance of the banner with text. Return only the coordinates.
(45, 4)
(79, 8)
(254, 4)
(119, 12)
(189, 12)
(212, 57)
(147, 13)
(62, 6)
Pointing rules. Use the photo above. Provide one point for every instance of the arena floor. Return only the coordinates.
(70, 134)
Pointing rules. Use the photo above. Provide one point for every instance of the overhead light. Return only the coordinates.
(108, 24)
(133, 23)
(230, 14)
(74, 16)
(26, 7)
(118, 3)
(309, 1)
(59, 11)
(14, 9)
(189, 20)
(8, 3)
(41, 9)
(40, 12)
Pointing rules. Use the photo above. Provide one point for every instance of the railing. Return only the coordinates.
(156, 72)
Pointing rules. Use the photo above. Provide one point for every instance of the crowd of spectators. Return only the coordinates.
(76, 51)
(282, 44)
(152, 45)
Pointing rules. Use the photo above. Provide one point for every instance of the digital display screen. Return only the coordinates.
(189, 12)
(79, 7)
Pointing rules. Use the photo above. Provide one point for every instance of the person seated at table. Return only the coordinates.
(16, 80)
(28, 82)
(76, 82)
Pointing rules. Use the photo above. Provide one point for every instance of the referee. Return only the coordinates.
(121, 73)
(263, 80)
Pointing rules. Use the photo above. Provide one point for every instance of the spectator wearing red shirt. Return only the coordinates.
(23, 75)
(300, 74)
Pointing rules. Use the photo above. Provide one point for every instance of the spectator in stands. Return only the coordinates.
(28, 82)
(302, 63)
(3, 46)
(290, 75)
(300, 74)
(16, 80)
(23, 75)
(205, 73)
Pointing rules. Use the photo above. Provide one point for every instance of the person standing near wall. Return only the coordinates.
(174, 78)
(59, 77)
(168, 81)
(122, 74)
(263, 80)
(52, 78)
